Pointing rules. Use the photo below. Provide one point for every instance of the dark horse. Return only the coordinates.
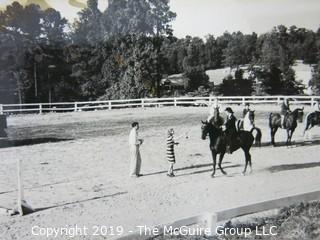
(290, 123)
(247, 124)
(218, 144)
(312, 119)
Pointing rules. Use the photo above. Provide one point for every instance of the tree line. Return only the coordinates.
(125, 51)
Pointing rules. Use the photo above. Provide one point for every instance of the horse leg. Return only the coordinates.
(288, 137)
(273, 133)
(259, 136)
(220, 161)
(248, 160)
(214, 157)
(306, 128)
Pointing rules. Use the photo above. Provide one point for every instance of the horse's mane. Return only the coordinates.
(296, 111)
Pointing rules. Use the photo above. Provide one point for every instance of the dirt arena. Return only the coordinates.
(76, 169)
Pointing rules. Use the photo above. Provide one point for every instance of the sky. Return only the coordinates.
(203, 17)
(199, 18)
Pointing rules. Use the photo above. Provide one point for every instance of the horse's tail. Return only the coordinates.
(257, 138)
(306, 123)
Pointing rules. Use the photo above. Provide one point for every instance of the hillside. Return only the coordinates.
(303, 73)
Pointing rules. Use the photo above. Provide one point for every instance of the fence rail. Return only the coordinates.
(211, 219)
(148, 102)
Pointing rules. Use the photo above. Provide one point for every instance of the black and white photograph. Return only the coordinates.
(159, 119)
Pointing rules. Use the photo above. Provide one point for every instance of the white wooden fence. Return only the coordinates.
(211, 219)
(147, 102)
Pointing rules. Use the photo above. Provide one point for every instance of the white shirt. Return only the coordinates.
(133, 137)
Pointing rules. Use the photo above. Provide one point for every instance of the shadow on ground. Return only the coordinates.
(300, 143)
(288, 167)
(191, 167)
(77, 202)
(6, 143)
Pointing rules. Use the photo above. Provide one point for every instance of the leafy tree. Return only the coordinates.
(138, 79)
(52, 27)
(88, 28)
(148, 17)
(213, 54)
(237, 86)
(240, 50)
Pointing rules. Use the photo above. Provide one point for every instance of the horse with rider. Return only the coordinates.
(313, 118)
(287, 120)
(225, 138)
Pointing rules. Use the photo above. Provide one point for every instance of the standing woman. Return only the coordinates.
(170, 152)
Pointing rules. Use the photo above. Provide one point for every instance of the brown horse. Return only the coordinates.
(218, 142)
(290, 123)
(312, 119)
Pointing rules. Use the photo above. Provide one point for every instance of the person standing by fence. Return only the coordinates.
(134, 147)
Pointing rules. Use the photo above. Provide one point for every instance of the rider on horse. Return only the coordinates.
(231, 131)
(212, 110)
(316, 106)
(246, 110)
(285, 109)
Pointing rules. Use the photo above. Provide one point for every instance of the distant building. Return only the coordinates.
(174, 83)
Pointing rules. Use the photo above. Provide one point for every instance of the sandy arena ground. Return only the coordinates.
(84, 179)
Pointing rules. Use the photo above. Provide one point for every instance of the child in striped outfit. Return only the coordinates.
(170, 152)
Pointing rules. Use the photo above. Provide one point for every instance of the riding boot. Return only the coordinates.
(282, 122)
(228, 149)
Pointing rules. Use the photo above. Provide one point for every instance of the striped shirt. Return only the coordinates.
(170, 149)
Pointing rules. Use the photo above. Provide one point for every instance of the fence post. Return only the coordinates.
(75, 106)
(142, 103)
(40, 108)
(175, 102)
(243, 101)
(23, 206)
(109, 105)
(312, 101)
(1, 109)
(20, 188)
(212, 221)
(278, 100)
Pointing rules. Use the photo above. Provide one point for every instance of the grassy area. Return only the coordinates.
(301, 221)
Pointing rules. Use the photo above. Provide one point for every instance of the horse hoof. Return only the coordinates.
(243, 173)
(212, 175)
(224, 173)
